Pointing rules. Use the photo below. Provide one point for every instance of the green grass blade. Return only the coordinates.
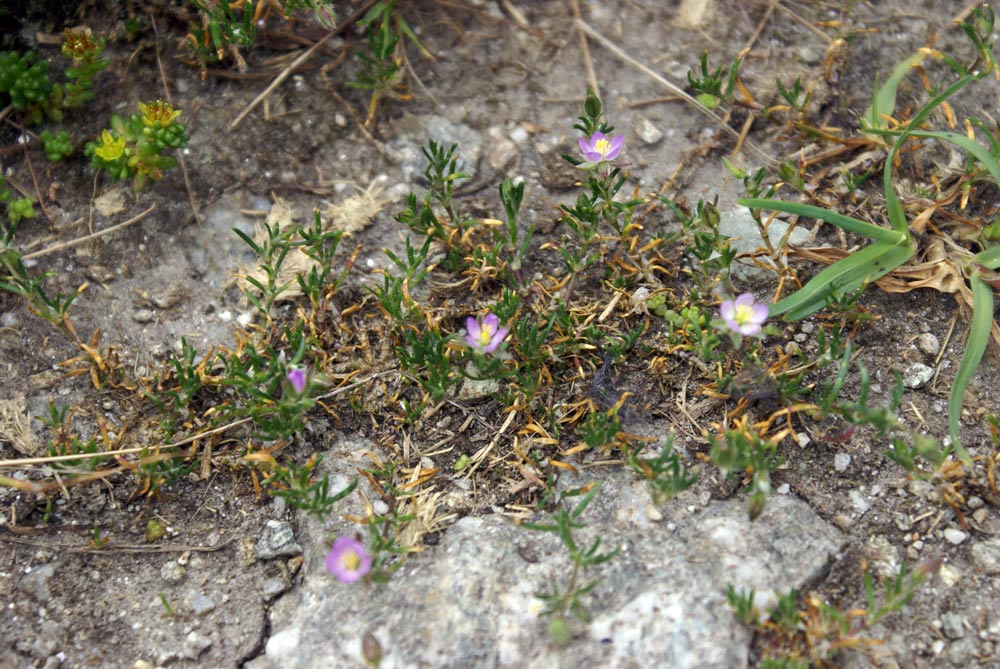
(849, 274)
(989, 258)
(975, 347)
(893, 206)
(854, 225)
(980, 152)
(884, 99)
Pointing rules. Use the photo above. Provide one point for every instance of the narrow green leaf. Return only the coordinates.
(975, 347)
(980, 152)
(854, 225)
(884, 99)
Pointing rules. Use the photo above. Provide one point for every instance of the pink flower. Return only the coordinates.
(744, 315)
(297, 378)
(484, 336)
(348, 560)
(600, 149)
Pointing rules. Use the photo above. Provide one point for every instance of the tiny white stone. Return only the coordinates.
(955, 536)
(284, 644)
(841, 461)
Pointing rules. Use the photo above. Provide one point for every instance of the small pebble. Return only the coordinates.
(201, 604)
(986, 556)
(277, 540)
(171, 572)
(955, 536)
(917, 375)
(841, 461)
(953, 626)
(975, 503)
(857, 498)
(194, 644)
(648, 133)
(949, 575)
(928, 344)
(143, 316)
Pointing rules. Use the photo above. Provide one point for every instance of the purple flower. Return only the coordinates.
(486, 335)
(600, 149)
(348, 560)
(297, 378)
(744, 315)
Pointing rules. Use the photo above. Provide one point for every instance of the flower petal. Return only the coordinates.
(728, 310)
(760, 312)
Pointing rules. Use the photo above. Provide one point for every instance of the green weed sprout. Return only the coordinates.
(226, 27)
(893, 247)
(14, 276)
(715, 88)
(569, 601)
(597, 205)
(18, 209)
(805, 632)
(25, 78)
(85, 52)
(57, 146)
(382, 65)
(664, 473)
(134, 147)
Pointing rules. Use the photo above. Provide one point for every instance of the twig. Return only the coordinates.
(760, 28)
(86, 238)
(677, 90)
(798, 19)
(34, 180)
(17, 463)
(585, 49)
(359, 122)
(361, 11)
(166, 92)
(112, 550)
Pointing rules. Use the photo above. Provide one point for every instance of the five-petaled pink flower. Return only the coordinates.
(484, 336)
(744, 315)
(297, 378)
(600, 148)
(348, 560)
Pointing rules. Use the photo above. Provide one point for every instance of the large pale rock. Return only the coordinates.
(470, 601)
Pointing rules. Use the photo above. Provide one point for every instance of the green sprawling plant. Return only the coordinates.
(24, 78)
(893, 247)
(134, 147)
(223, 28)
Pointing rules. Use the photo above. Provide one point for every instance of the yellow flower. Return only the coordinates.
(158, 113)
(111, 147)
(80, 45)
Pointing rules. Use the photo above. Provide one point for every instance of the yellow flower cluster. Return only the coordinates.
(79, 45)
(112, 146)
(158, 113)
